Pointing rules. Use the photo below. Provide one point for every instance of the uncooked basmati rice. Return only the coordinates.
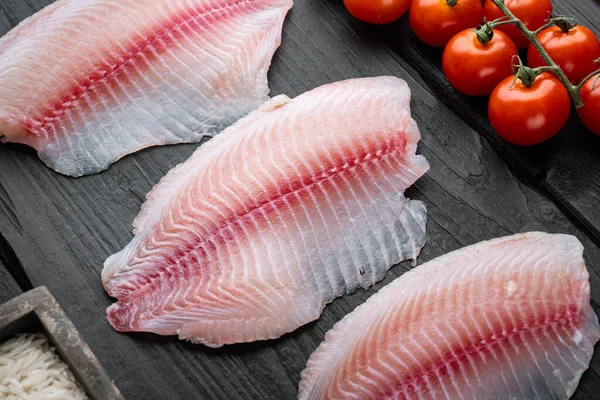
(30, 369)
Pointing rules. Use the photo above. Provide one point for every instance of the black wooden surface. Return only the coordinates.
(61, 230)
(8, 287)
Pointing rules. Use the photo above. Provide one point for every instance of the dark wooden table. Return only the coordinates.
(57, 231)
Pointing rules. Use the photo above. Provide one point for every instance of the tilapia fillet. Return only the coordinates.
(504, 319)
(86, 82)
(298, 203)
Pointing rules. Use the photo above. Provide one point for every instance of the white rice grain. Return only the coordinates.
(31, 370)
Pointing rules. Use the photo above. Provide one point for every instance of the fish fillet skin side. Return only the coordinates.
(505, 319)
(299, 203)
(86, 82)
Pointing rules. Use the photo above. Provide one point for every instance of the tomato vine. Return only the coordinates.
(574, 90)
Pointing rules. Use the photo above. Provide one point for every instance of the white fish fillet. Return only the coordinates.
(295, 205)
(86, 82)
(504, 319)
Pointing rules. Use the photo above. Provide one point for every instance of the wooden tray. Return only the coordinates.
(38, 311)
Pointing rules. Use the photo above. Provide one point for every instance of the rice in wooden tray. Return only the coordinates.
(31, 369)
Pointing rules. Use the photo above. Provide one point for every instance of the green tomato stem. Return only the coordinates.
(484, 33)
(548, 25)
(531, 36)
(546, 69)
(587, 78)
(451, 3)
(528, 75)
(504, 22)
(565, 24)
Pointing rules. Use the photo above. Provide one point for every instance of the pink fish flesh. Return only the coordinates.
(298, 203)
(504, 319)
(86, 82)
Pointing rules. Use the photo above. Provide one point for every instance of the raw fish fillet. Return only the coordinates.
(298, 203)
(86, 82)
(504, 319)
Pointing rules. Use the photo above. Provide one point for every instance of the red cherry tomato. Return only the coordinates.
(377, 11)
(573, 51)
(533, 13)
(436, 21)
(590, 112)
(529, 115)
(476, 69)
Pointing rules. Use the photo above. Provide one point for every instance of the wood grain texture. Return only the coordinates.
(8, 287)
(62, 229)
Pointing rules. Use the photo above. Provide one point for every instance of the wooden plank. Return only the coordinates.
(62, 229)
(8, 287)
(567, 167)
(573, 170)
(14, 11)
(573, 178)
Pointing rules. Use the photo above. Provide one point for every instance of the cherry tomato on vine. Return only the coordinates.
(529, 115)
(590, 112)
(377, 11)
(573, 51)
(436, 21)
(475, 69)
(533, 13)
